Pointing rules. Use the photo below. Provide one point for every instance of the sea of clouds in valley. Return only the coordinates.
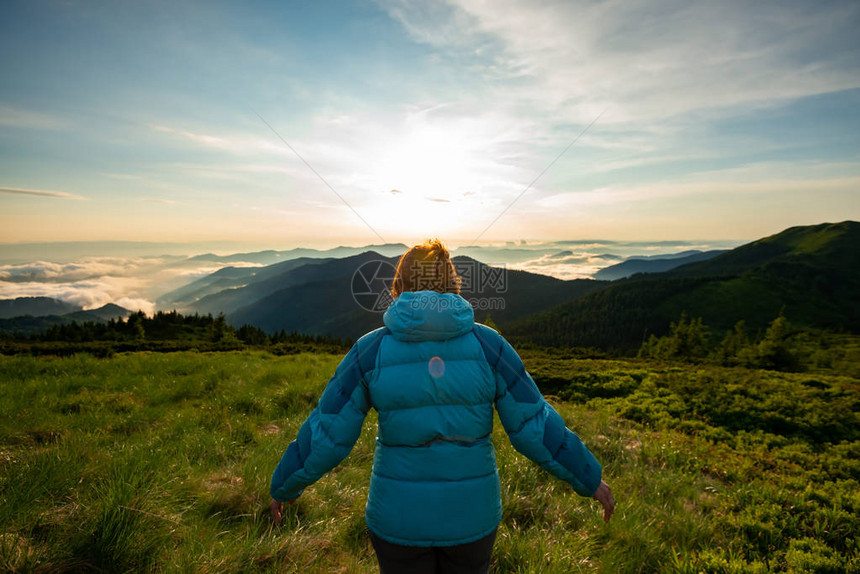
(91, 282)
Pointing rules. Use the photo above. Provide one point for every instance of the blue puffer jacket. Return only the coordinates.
(434, 376)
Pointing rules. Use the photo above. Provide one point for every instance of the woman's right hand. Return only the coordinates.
(603, 495)
(276, 507)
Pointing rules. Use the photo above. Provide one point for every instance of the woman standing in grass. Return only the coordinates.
(434, 376)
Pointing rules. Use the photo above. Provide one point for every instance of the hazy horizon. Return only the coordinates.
(230, 247)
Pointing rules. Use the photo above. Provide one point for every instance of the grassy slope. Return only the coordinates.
(162, 462)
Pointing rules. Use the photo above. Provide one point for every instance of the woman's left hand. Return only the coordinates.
(605, 498)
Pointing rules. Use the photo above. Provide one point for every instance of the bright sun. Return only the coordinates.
(434, 183)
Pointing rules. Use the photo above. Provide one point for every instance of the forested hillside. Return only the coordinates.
(809, 274)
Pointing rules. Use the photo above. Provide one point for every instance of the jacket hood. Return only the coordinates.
(429, 316)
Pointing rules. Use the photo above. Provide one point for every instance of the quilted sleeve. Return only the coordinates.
(534, 427)
(333, 427)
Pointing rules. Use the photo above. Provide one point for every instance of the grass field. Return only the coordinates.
(161, 462)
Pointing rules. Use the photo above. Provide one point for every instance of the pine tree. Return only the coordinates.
(732, 344)
(491, 324)
(775, 350)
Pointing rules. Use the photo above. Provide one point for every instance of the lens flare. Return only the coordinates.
(436, 366)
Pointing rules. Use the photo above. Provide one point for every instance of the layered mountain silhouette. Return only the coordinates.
(232, 287)
(654, 264)
(337, 297)
(210, 294)
(811, 274)
(30, 315)
(103, 313)
(35, 307)
(271, 256)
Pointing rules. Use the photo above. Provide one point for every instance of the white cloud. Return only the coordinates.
(455, 153)
(204, 139)
(84, 268)
(666, 71)
(571, 265)
(647, 61)
(91, 282)
(90, 294)
(39, 193)
(233, 142)
(750, 181)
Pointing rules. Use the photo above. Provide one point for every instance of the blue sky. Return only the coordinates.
(142, 120)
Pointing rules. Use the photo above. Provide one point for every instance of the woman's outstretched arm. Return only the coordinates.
(333, 427)
(534, 427)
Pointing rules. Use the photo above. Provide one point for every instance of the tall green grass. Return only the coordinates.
(161, 462)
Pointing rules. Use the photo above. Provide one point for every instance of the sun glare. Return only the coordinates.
(428, 162)
(432, 182)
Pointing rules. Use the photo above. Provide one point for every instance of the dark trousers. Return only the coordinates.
(471, 558)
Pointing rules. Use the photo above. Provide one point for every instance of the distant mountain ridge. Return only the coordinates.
(654, 264)
(319, 297)
(271, 256)
(31, 315)
(103, 313)
(210, 293)
(35, 307)
(811, 273)
(273, 278)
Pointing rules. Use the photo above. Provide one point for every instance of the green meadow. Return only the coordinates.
(161, 462)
